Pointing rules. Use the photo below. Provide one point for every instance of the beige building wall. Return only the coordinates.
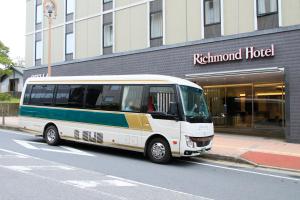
(88, 38)
(194, 19)
(131, 28)
(29, 51)
(30, 13)
(290, 12)
(88, 8)
(81, 37)
(122, 3)
(238, 16)
(176, 21)
(57, 44)
(183, 20)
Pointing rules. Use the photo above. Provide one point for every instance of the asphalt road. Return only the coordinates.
(30, 169)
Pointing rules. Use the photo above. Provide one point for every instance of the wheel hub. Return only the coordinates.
(158, 151)
(51, 136)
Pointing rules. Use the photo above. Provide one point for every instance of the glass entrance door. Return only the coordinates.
(247, 107)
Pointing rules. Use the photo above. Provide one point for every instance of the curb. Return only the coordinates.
(242, 161)
(12, 128)
(227, 158)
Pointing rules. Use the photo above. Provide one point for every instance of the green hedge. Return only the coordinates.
(5, 97)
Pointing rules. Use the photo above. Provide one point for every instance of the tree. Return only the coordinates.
(5, 60)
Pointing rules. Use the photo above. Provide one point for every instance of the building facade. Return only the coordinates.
(243, 53)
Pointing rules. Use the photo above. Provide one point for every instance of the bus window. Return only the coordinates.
(70, 96)
(42, 95)
(62, 95)
(132, 98)
(160, 98)
(76, 96)
(94, 92)
(27, 95)
(110, 98)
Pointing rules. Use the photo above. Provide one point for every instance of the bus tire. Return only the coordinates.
(159, 151)
(51, 135)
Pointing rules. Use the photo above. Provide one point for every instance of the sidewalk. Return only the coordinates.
(260, 151)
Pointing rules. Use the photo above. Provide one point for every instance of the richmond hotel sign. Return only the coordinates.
(247, 53)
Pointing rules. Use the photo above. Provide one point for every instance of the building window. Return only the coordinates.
(265, 7)
(70, 4)
(212, 12)
(212, 18)
(38, 52)
(107, 35)
(69, 46)
(38, 15)
(107, 5)
(267, 14)
(156, 23)
(70, 9)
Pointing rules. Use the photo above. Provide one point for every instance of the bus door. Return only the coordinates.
(162, 108)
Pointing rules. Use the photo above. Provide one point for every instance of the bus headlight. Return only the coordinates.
(189, 142)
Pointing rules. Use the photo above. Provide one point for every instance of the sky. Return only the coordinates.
(12, 26)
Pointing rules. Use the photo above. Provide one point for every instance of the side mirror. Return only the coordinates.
(173, 109)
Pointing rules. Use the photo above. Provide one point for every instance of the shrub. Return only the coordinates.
(5, 97)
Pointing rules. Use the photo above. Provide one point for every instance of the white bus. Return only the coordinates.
(162, 116)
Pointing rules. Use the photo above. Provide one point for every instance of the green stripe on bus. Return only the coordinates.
(84, 116)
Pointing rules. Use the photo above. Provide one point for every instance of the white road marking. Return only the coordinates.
(15, 153)
(118, 183)
(110, 195)
(25, 144)
(157, 187)
(69, 150)
(12, 156)
(244, 171)
(24, 168)
(92, 184)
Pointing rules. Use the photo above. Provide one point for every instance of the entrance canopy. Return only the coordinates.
(239, 76)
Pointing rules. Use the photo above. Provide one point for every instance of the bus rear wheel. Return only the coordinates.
(51, 135)
(159, 151)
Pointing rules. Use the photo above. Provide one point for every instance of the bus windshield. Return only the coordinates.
(194, 105)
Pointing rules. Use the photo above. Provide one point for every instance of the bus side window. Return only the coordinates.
(76, 96)
(132, 98)
(26, 97)
(160, 98)
(70, 96)
(110, 98)
(62, 95)
(92, 95)
(42, 95)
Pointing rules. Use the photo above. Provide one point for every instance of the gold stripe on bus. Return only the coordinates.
(138, 121)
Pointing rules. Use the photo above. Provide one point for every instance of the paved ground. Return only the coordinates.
(268, 152)
(30, 169)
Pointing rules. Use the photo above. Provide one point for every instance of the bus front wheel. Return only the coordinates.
(159, 151)
(51, 135)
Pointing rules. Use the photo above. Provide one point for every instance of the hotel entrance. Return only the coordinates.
(247, 102)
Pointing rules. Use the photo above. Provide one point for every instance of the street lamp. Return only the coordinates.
(50, 12)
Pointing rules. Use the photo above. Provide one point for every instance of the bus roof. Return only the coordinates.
(113, 79)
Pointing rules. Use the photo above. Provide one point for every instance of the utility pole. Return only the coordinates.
(50, 12)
